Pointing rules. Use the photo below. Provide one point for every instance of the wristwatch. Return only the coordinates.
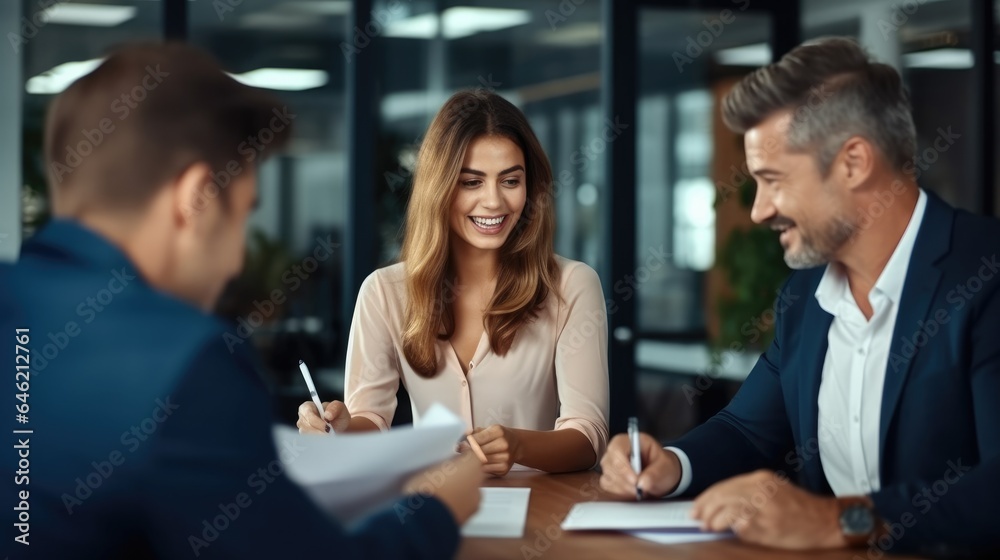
(858, 522)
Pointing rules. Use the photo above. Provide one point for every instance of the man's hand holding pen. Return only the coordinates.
(661, 469)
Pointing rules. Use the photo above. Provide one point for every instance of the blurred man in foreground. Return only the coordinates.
(148, 436)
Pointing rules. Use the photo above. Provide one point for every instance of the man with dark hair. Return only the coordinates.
(143, 434)
(874, 417)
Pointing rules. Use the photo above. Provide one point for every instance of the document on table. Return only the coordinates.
(653, 514)
(355, 474)
(502, 513)
(675, 536)
(664, 522)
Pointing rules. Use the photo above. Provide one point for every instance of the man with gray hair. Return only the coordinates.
(873, 420)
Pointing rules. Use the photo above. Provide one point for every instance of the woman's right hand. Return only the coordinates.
(336, 414)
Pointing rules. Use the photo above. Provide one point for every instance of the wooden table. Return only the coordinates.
(552, 496)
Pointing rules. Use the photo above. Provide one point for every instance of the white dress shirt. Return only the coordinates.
(850, 393)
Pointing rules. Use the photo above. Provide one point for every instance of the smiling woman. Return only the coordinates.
(481, 315)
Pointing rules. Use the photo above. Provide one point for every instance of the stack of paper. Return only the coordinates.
(355, 474)
(667, 522)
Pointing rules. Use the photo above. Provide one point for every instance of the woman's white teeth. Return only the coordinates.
(487, 222)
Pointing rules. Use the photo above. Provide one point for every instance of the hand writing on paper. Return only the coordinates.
(336, 414)
(499, 444)
(661, 469)
(765, 508)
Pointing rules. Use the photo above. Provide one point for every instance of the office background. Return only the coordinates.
(624, 95)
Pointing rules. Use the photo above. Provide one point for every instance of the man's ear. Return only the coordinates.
(194, 192)
(856, 161)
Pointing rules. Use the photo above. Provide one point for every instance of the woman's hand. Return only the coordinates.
(336, 414)
(500, 445)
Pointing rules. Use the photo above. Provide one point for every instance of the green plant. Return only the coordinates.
(265, 262)
(754, 266)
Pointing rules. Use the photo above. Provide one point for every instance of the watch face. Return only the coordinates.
(857, 520)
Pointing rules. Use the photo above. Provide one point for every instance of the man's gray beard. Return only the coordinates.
(832, 238)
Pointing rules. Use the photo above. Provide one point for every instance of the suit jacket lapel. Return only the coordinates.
(922, 278)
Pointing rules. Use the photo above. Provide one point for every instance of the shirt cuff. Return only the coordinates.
(685, 482)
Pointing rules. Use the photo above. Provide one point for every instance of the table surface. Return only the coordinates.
(552, 496)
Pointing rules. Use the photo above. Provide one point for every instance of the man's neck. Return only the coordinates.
(868, 251)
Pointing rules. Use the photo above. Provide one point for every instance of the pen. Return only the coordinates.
(313, 393)
(633, 437)
(476, 449)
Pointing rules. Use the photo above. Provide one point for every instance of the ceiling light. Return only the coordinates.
(417, 27)
(758, 54)
(285, 79)
(457, 22)
(320, 8)
(96, 15)
(59, 78)
(950, 59)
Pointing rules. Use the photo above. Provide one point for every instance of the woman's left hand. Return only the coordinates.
(500, 445)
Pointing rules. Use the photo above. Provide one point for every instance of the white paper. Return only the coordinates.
(653, 514)
(674, 536)
(502, 514)
(352, 475)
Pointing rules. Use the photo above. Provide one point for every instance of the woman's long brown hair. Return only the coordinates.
(527, 271)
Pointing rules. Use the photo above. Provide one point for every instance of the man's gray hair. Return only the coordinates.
(835, 91)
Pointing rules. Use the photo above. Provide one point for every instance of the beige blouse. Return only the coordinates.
(555, 375)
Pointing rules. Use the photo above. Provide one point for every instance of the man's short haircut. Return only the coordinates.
(835, 91)
(146, 114)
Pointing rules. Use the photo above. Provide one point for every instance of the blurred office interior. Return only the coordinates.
(624, 96)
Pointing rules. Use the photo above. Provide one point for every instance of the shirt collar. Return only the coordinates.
(833, 287)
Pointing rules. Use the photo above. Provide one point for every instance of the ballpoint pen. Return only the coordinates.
(633, 437)
(313, 393)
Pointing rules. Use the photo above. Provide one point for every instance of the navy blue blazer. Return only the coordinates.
(149, 438)
(939, 461)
